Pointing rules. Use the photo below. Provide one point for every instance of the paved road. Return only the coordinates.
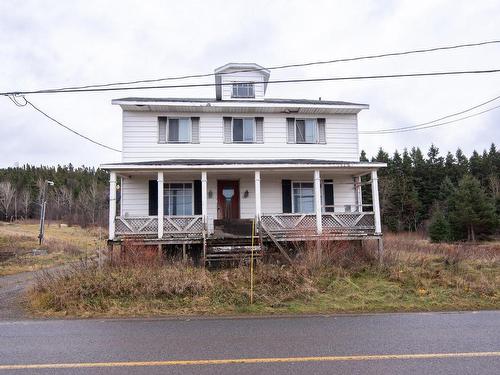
(325, 341)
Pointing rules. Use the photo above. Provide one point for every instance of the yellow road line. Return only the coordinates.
(198, 362)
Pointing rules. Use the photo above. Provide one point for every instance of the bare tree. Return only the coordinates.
(7, 193)
(68, 201)
(25, 197)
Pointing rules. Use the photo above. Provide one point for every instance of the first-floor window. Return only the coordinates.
(303, 197)
(179, 129)
(243, 130)
(305, 131)
(178, 199)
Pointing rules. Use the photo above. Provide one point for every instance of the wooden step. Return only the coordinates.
(232, 253)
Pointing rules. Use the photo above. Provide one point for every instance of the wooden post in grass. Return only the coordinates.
(380, 247)
(251, 263)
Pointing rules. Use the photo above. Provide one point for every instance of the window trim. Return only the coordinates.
(316, 131)
(252, 84)
(293, 200)
(254, 128)
(190, 130)
(192, 197)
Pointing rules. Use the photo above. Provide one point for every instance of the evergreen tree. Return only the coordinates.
(439, 228)
(471, 210)
(363, 157)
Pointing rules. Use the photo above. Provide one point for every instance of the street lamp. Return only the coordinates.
(43, 206)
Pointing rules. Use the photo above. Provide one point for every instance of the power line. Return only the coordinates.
(349, 78)
(390, 130)
(61, 124)
(286, 66)
(440, 124)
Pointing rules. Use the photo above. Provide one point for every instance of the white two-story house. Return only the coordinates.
(199, 171)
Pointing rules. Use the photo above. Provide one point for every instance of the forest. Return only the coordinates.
(450, 197)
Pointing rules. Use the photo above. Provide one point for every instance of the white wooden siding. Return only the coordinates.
(135, 190)
(134, 196)
(227, 90)
(140, 139)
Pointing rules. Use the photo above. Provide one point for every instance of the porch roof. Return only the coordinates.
(197, 164)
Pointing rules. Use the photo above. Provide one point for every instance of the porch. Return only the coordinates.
(289, 202)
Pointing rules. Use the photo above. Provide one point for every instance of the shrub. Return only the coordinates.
(439, 228)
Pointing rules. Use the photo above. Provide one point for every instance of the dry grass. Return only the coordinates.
(415, 276)
(62, 244)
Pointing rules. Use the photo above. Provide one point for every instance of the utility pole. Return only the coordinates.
(43, 207)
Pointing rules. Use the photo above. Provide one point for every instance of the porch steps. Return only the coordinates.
(228, 253)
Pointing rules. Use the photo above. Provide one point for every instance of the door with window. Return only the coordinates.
(228, 199)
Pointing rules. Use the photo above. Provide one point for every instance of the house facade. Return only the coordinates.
(201, 171)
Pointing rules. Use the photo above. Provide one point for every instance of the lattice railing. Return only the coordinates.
(289, 222)
(182, 225)
(330, 222)
(354, 221)
(146, 225)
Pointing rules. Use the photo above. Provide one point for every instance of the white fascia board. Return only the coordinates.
(132, 166)
(229, 104)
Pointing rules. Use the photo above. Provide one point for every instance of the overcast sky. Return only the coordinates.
(59, 43)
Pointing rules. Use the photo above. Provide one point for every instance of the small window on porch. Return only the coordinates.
(303, 197)
(243, 130)
(178, 199)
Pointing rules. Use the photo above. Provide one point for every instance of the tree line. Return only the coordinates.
(78, 196)
(457, 196)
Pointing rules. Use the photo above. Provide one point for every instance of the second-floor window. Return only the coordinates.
(243, 90)
(243, 130)
(305, 131)
(179, 130)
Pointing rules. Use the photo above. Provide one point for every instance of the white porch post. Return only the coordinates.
(258, 209)
(376, 204)
(160, 204)
(317, 201)
(204, 197)
(359, 193)
(112, 204)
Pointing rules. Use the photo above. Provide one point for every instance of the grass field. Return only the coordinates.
(62, 244)
(414, 276)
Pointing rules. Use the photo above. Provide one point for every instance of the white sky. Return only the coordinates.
(58, 43)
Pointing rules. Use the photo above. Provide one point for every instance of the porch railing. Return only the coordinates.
(348, 221)
(175, 225)
(147, 226)
(133, 226)
(341, 222)
(289, 222)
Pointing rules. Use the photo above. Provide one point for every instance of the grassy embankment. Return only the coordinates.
(415, 276)
(62, 244)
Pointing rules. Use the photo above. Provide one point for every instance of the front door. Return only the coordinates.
(228, 200)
